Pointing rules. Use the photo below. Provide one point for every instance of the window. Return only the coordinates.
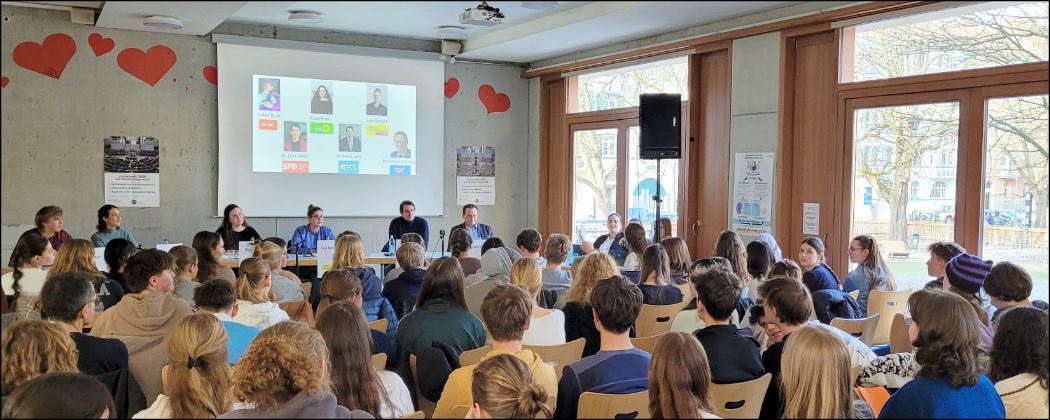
(594, 197)
(642, 186)
(914, 188)
(939, 188)
(619, 88)
(1006, 190)
(609, 148)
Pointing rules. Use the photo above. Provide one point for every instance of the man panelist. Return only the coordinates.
(478, 231)
(408, 222)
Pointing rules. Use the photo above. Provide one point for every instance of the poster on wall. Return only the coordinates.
(753, 193)
(476, 175)
(132, 171)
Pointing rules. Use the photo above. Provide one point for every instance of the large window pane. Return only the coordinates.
(595, 195)
(1016, 192)
(620, 88)
(969, 37)
(642, 185)
(904, 183)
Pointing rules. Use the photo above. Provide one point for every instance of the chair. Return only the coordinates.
(887, 304)
(687, 292)
(560, 355)
(593, 405)
(425, 405)
(379, 325)
(648, 344)
(854, 294)
(307, 286)
(164, 379)
(864, 326)
(900, 341)
(744, 397)
(379, 359)
(656, 319)
(299, 310)
(875, 397)
(459, 412)
(473, 357)
(416, 415)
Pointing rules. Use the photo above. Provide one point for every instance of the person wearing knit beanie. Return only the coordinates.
(967, 272)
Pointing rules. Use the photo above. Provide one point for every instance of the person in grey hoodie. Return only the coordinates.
(495, 265)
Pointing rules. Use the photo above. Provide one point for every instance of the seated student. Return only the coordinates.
(678, 258)
(770, 242)
(283, 261)
(234, 229)
(495, 265)
(217, 297)
(198, 379)
(1008, 285)
(1018, 362)
(871, 272)
(209, 247)
(33, 348)
(760, 261)
(459, 244)
(49, 225)
(494, 268)
(69, 299)
(579, 314)
(655, 277)
(950, 383)
(731, 247)
(47, 396)
(79, 255)
(304, 239)
(786, 268)
(787, 305)
(109, 227)
(507, 312)
(557, 251)
(547, 326)
(817, 275)
(117, 253)
(410, 237)
(734, 358)
(688, 321)
(145, 318)
(502, 387)
(441, 313)
(940, 254)
(529, 241)
(766, 333)
(618, 368)
(284, 288)
(680, 379)
(23, 284)
(816, 378)
(256, 302)
(634, 236)
(402, 291)
(286, 374)
(350, 255)
(185, 272)
(343, 285)
(965, 276)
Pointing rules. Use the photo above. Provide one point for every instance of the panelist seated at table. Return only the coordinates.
(305, 238)
(478, 231)
(408, 222)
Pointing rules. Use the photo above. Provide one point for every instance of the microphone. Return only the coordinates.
(442, 233)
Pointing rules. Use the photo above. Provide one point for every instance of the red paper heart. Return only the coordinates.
(49, 59)
(494, 102)
(100, 45)
(211, 74)
(148, 66)
(451, 87)
(4, 81)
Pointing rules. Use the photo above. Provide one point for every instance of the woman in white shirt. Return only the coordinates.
(256, 303)
(634, 235)
(547, 327)
(31, 255)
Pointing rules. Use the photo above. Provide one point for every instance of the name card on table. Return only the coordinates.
(325, 255)
(245, 249)
(475, 249)
(100, 259)
(167, 247)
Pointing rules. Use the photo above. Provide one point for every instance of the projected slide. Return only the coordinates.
(333, 127)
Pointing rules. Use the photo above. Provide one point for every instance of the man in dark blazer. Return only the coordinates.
(349, 143)
(477, 231)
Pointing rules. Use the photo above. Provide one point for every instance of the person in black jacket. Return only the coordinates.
(403, 290)
(787, 305)
(69, 300)
(733, 357)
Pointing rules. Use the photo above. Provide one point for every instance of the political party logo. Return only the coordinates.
(400, 170)
(321, 128)
(377, 130)
(268, 125)
(349, 167)
(295, 166)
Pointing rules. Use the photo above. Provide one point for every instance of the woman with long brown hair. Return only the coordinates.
(817, 275)
(79, 255)
(23, 283)
(503, 387)
(210, 249)
(441, 312)
(635, 236)
(680, 379)
(871, 272)
(730, 247)
(256, 303)
(815, 377)
(579, 318)
(350, 255)
(198, 381)
(678, 257)
(344, 286)
(655, 277)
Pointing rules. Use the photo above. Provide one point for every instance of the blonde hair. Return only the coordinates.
(679, 378)
(505, 388)
(577, 266)
(527, 273)
(32, 348)
(269, 252)
(253, 271)
(349, 253)
(410, 256)
(75, 255)
(599, 266)
(184, 257)
(199, 376)
(816, 375)
(281, 362)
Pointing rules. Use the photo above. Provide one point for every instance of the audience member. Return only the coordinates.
(557, 252)
(441, 313)
(281, 243)
(788, 306)
(663, 229)
(502, 387)
(32, 348)
(680, 379)
(688, 321)
(506, 312)
(217, 297)
(655, 277)
(403, 290)
(234, 229)
(350, 255)
(871, 272)
(635, 237)
(256, 303)
(408, 222)
(495, 266)
(731, 247)
(117, 253)
(766, 333)
(185, 272)
(109, 227)
(618, 367)
(964, 276)
(786, 268)
(490, 243)
(1019, 360)
(734, 358)
(817, 275)
(547, 325)
(1007, 285)
(678, 258)
(579, 314)
(304, 239)
(69, 300)
(459, 244)
(47, 396)
(816, 378)
(48, 222)
(210, 250)
(343, 285)
(23, 283)
(529, 241)
(770, 242)
(283, 288)
(759, 261)
(940, 254)
(79, 255)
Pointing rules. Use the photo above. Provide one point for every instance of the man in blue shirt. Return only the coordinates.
(479, 232)
(216, 296)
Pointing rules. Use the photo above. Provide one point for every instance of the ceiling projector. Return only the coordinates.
(483, 15)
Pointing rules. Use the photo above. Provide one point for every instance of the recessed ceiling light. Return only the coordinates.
(306, 17)
(540, 5)
(162, 22)
(452, 32)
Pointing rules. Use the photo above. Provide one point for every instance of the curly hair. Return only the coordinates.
(1021, 345)
(948, 343)
(283, 361)
(199, 380)
(599, 265)
(32, 348)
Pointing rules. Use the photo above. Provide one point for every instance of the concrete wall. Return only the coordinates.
(52, 132)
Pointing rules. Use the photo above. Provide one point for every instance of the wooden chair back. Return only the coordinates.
(416, 415)
(379, 360)
(854, 294)
(657, 319)
(887, 304)
(593, 405)
(473, 357)
(307, 287)
(164, 379)
(459, 412)
(687, 292)
(900, 342)
(425, 405)
(864, 326)
(560, 355)
(648, 344)
(379, 325)
(299, 310)
(740, 400)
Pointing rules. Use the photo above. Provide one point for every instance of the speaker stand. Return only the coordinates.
(656, 198)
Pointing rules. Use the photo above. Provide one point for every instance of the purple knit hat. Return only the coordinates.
(967, 272)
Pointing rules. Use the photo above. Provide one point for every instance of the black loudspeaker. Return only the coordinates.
(660, 119)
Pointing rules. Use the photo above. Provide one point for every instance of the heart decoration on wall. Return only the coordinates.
(4, 81)
(101, 46)
(211, 74)
(149, 66)
(494, 102)
(451, 87)
(49, 59)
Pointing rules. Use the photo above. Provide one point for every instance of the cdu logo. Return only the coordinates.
(400, 170)
(349, 167)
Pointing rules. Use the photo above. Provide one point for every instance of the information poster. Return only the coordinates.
(132, 171)
(476, 175)
(811, 218)
(100, 259)
(753, 193)
(325, 255)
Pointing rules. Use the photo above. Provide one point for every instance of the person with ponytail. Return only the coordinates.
(817, 275)
(635, 236)
(117, 253)
(198, 379)
(350, 255)
(209, 247)
(503, 387)
(815, 376)
(23, 284)
(284, 288)
(871, 272)
(343, 285)
(186, 268)
(48, 222)
(356, 382)
(256, 303)
(680, 379)
(79, 255)
(109, 227)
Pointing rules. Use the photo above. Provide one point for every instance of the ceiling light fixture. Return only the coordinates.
(540, 5)
(162, 22)
(452, 32)
(305, 17)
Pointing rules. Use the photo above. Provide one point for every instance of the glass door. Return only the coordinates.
(595, 178)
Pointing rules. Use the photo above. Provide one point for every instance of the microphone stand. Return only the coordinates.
(442, 232)
(297, 245)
